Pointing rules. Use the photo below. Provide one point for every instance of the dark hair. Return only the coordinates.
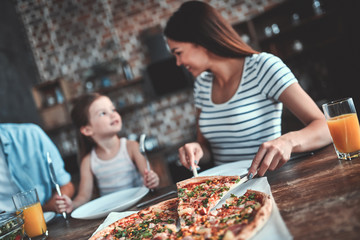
(80, 117)
(199, 23)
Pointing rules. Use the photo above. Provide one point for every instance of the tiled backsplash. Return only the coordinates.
(69, 37)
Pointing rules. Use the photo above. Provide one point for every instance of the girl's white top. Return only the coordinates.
(115, 174)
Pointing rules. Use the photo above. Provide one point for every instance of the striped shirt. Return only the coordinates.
(117, 173)
(235, 129)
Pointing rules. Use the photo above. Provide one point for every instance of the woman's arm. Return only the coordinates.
(136, 156)
(315, 134)
(273, 154)
(191, 153)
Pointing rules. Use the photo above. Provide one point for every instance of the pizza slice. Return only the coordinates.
(117, 228)
(155, 222)
(239, 218)
(161, 219)
(197, 196)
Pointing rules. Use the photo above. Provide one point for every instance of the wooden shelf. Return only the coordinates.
(120, 85)
(303, 25)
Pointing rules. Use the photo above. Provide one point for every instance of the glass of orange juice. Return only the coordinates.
(344, 127)
(35, 226)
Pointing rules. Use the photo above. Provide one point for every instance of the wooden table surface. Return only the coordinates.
(318, 197)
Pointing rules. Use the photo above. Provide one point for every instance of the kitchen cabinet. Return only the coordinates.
(51, 99)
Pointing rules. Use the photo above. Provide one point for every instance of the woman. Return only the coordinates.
(239, 94)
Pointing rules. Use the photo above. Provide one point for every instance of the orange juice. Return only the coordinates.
(34, 220)
(345, 132)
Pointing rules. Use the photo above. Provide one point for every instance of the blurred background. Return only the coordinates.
(52, 51)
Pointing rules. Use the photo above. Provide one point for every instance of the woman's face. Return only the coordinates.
(103, 117)
(193, 57)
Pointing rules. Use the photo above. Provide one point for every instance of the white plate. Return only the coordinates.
(49, 216)
(228, 169)
(113, 202)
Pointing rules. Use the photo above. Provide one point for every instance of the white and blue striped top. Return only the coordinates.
(235, 129)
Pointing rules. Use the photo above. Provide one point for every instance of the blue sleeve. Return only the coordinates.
(26, 147)
(62, 175)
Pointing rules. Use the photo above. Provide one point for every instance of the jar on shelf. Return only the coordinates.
(127, 71)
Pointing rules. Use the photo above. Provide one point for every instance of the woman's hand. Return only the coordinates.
(271, 155)
(151, 179)
(190, 154)
(64, 204)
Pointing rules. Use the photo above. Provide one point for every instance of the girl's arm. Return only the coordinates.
(85, 190)
(151, 179)
(136, 156)
(273, 154)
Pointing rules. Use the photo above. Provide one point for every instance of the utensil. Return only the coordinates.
(143, 152)
(300, 155)
(244, 178)
(194, 170)
(154, 199)
(142, 149)
(53, 178)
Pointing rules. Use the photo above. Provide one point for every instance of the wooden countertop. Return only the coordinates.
(318, 197)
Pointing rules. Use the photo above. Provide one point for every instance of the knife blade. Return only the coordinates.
(194, 170)
(156, 198)
(54, 179)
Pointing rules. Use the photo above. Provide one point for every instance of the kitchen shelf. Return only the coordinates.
(120, 85)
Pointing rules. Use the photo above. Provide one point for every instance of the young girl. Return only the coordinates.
(115, 162)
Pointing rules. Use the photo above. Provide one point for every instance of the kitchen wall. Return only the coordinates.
(18, 72)
(69, 37)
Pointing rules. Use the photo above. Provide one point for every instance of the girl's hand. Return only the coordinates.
(64, 204)
(151, 179)
(190, 154)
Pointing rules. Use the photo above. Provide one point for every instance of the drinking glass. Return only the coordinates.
(344, 127)
(35, 226)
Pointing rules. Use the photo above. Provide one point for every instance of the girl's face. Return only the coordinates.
(104, 120)
(193, 57)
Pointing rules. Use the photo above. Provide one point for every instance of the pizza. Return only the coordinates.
(155, 222)
(239, 218)
(191, 217)
(198, 195)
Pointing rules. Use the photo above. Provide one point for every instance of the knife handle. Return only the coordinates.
(59, 193)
